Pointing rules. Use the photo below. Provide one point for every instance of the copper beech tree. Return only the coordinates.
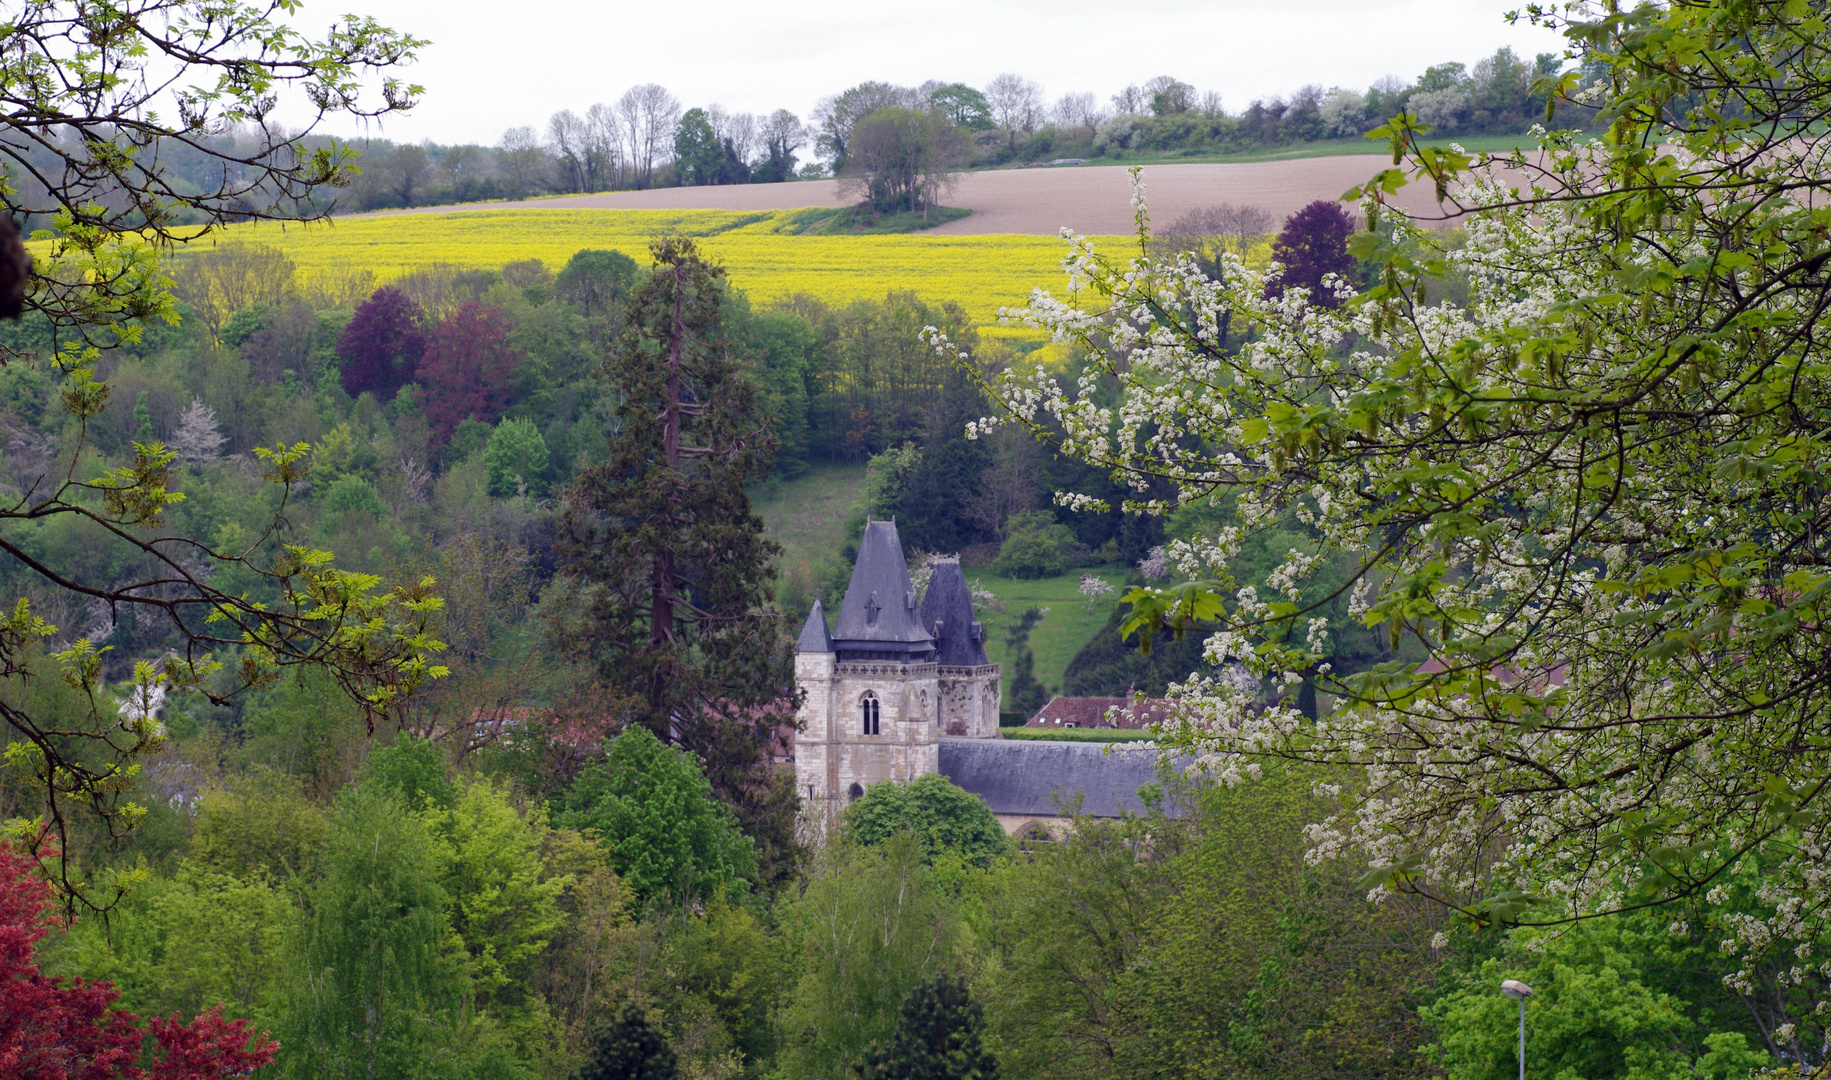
(1595, 494)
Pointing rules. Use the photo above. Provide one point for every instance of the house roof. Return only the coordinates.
(1040, 777)
(879, 611)
(947, 615)
(1091, 712)
(814, 636)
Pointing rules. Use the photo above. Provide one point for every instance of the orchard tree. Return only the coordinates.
(1313, 245)
(468, 369)
(1594, 493)
(98, 98)
(379, 351)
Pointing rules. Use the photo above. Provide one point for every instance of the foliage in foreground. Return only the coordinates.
(56, 1028)
(1593, 493)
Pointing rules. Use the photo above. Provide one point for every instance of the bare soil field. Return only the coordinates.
(1094, 200)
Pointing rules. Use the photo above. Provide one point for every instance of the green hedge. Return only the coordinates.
(1077, 734)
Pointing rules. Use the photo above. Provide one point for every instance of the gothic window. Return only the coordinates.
(856, 791)
(867, 705)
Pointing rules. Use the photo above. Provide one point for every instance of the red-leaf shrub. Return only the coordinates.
(468, 369)
(1313, 243)
(380, 349)
(53, 1031)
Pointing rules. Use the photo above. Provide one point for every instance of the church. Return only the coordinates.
(902, 688)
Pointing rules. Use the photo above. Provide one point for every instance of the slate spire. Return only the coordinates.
(947, 615)
(878, 619)
(814, 637)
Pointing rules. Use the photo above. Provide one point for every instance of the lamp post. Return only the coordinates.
(1513, 988)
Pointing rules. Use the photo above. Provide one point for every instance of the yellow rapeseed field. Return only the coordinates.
(764, 256)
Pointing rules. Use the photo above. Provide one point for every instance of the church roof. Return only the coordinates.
(1041, 777)
(947, 614)
(879, 611)
(814, 637)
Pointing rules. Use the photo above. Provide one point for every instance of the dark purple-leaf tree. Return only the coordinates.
(381, 347)
(1312, 245)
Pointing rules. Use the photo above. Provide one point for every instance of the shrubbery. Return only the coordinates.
(1037, 546)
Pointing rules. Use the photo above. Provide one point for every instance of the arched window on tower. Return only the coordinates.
(857, 791)
(867, 707)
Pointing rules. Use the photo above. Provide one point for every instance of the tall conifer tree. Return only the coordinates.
(673, 566)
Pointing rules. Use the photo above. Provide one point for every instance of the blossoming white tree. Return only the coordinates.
(1598, 490)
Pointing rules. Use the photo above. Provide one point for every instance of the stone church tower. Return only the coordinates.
(882, 689)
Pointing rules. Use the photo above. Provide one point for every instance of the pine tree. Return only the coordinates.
(673, 564)
(937, 1038)
(630, 1049)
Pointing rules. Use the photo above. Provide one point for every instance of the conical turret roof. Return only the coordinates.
(947, 615)
(814, 636)
(878, 615)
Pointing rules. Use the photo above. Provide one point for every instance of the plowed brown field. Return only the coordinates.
(1040, 201)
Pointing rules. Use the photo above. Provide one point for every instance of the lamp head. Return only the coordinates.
(1513, 988)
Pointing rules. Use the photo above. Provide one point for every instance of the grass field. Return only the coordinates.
(1474, 144)
(1076, 734)
(808, 515)
(1071, 622)
(763, 251)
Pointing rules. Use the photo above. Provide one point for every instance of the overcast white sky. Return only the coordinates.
(491, 67)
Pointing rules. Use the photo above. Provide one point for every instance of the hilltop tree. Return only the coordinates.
(702, 156)
(962, 104)
(783, 133)
(901, 159)
(670, 563)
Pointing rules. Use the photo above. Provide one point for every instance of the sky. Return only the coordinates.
(489, 68)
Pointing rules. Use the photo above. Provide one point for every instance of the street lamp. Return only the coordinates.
(1513, 988)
